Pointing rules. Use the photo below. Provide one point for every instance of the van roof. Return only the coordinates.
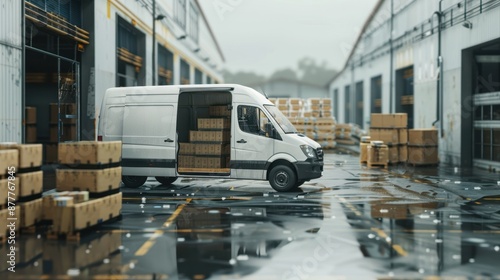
(177, 89)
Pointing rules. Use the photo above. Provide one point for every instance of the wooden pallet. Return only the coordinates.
(345, 141)
(372, 164)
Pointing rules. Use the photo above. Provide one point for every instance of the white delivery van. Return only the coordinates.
(215, 131)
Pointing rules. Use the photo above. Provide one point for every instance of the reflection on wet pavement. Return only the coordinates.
(353, 223)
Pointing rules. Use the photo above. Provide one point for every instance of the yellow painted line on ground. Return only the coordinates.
(126, 267)
(400, 250)
(145, 247)
(493, 198)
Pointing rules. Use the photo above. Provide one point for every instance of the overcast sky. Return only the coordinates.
(265, 35)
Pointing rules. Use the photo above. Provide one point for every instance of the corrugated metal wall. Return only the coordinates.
(11, 78)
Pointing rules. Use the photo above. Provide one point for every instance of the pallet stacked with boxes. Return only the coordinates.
(324, 129)
(30, 125)
(423, 147)
(61, 117)
(392, 130)
(208, 149)
(326, 107)
(295, 107)
(88, 192)
(28, 183)
(313, 107)
(377, 154)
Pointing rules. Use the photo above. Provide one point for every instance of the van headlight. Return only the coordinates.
(308, 151)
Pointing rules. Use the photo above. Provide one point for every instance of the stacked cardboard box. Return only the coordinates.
(392, 130)
(95, 166)
(208, 146)
(378, 154)
(96, 173)
(295, 107)
(324, 129)
(29, 182)
(30, 125)
(423, 147)
(326, 107)
(363, 149)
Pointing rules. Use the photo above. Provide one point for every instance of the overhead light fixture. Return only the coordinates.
(159, 17)
(196, 50)
(182, 37)
(207, 59)
(467, 24)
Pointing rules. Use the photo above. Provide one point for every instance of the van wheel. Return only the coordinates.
(166, 180)
(134, 181)
(282, 178)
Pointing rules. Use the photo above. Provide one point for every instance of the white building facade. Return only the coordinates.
(437, 61)
(69, 52)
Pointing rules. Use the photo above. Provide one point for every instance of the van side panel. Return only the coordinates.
(149, 135)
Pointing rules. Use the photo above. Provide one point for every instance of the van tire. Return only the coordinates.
(134, 181)
(282, 178)
(166, 180)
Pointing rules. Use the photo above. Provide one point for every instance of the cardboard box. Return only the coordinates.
(403, 153)
(30, 183)
(51, 152)
(399, 120)
(389, 136)
(186, 161)
(31, 133)
(8, 158)
(210, 124)
(90, 152)
(423, 155)
(50, 201)
(30, 117)
(315, 101)
(78, 254)
(363, 152)
(393, 154)
(403, 135)
(210, 162)
(378, 154)
(86, 214)
(91, 180)
(68, 133)
(8, 190)
(219, 111)
(212, 149)
(30, 155)
(31, 212)
(210, 136)
(187, 148)
(423, 137)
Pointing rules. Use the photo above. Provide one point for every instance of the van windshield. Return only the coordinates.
(282, 121)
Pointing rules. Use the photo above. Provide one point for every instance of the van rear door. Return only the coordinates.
(149, 135)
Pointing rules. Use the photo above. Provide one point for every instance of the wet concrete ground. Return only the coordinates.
(353, 223)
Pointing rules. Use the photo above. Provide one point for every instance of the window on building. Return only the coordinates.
(185, 73)
(130, 53)
(376, 94)
(180, 13)
(335, 103)
(198, 76)
(193, 22)
(165, 66)
(69, 10)
(348, 105)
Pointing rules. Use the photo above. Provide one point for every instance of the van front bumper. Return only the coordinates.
(309, 169)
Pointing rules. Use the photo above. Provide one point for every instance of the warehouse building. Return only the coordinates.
(60, 56)
(437, 61)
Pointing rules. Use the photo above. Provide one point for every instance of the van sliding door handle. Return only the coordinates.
(241, 141)
(168, 140)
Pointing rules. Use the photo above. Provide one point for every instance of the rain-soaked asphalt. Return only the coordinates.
(353, 223)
